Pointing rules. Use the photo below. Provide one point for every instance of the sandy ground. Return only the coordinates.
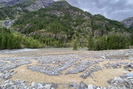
(100, 77)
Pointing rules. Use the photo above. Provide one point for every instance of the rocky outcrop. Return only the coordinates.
(127, 22)
(34, 7)
(8, 23)
(39, 4)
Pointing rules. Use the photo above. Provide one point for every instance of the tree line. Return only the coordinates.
(113, 41)
(12, 40)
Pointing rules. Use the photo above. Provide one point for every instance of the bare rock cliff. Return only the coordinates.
(127, 22)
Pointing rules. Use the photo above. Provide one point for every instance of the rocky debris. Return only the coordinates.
(16, 84)
(83, 86)
(75, 85)
(90, 72)
(59, 60)
(60, 63)
(82, 66)
(55, 64)
(118, 65)
(4, 65)
(112, 55)
(129, 66)
(119, 55)
(46, 70)
(123, 82)
(6, 75)
(8, 67)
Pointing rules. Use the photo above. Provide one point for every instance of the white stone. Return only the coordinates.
(90, 86)
(48, 86)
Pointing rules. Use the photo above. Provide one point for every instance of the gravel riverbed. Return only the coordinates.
(63, 68)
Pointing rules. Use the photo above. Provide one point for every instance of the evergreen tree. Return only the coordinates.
(75, 46)
(116, 41)
(131, 40)
(90, 42)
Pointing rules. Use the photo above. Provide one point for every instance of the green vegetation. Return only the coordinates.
(131, 40)
(131, 28)
(1, 22)
(12, 40)
(114, 41)
(62, 25)
(15, 11)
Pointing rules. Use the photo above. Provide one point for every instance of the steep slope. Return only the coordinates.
(68, 16)
(63, 23)
(15, 8)
(128, 22)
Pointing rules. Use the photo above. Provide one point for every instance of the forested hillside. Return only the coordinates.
(13, 40)
(63, 25)
(15, 8)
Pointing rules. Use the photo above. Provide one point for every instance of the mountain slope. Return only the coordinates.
(128, 22)
(62, 23)
(15, 8)
(63, 13)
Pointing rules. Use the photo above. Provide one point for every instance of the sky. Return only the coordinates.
(112, 9)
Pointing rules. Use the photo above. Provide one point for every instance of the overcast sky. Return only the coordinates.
(112, 9)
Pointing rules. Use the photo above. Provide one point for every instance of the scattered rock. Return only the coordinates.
(48, 86)
(75, 85)
(129, 75)
(83, 85)
(90, 72)
(90, 86)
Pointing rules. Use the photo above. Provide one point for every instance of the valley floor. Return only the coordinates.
(64, 66)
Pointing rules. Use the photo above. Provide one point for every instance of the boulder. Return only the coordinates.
(48, 86)
(83, 86)
(129, 75)
(75, 85)
(90, 86)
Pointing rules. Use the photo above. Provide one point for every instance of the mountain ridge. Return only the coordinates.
(63, 22)
(128, 22)
(21, 7)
